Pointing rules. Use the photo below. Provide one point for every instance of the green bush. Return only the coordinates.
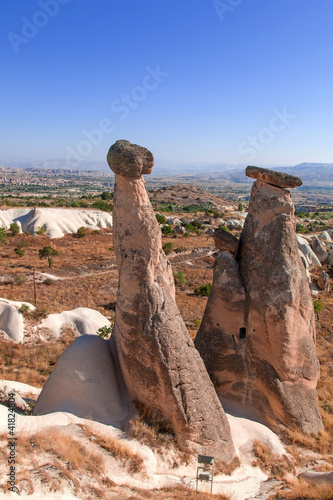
(14, 228)
(106, 195)
(167, 230)
(40, 230)
(168, 247)
(240, 207)
(3, 235)
(19, 251)
(317, 305)
(24, 309)
(104, 331)
(204, 290)
(179, 278)
(180, 249)
(160, 219)
(103, 205)
(300, 228)
(81, 232)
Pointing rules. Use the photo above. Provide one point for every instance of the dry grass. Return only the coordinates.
(226, 469)
(31, 363)
(179, 492)
(275, 466)
(149, 429)
(64, 447)
(300, 490)
(51, 458)
(118, 449)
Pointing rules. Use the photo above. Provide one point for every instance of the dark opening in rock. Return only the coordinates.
(242, 333)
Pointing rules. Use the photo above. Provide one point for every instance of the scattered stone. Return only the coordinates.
(225, 241)
(159, 363)
(257, 336)
(279, 179)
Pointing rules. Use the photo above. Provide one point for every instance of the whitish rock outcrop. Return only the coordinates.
(56, 221)
(158, 360)
(86, 383)
(257, 337)
(319, 249)
(11, 322)
(311, 259)
(86, 321)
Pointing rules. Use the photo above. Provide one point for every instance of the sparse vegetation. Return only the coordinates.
(118, 449)
(160, 219)
(14, 228)
(203, 290)
(179, 278)
(168, 247)
(167, 230)
(47, 253)
(274, 465)
(40, 230)
(81, 232)
(104, 331)
(3, 235)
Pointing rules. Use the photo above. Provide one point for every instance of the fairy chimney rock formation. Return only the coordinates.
(278, 179)
(161, 368)
(257, 336)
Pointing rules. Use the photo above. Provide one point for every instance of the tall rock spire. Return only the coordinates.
(159, 363)
(257, 337)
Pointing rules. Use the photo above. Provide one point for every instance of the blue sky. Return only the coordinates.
(195, 81)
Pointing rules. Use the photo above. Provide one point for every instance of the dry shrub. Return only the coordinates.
(118, 449)
(320, 443)
(150, 429)
(301, 490)
(181, 492)
(64, 447)
(274, 465)
(227, 469)
(31, 363)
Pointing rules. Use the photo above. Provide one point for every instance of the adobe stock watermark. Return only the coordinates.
(278, 123)
(30, 27)
(121, 108)
(11, 445)
(223, 7)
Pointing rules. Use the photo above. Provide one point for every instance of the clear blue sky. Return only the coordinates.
(195, 81)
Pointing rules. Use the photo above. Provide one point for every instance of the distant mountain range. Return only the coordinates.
(311, 173)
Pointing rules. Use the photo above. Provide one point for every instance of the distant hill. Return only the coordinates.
(312, 174)
(58, 164)
(188, 195)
